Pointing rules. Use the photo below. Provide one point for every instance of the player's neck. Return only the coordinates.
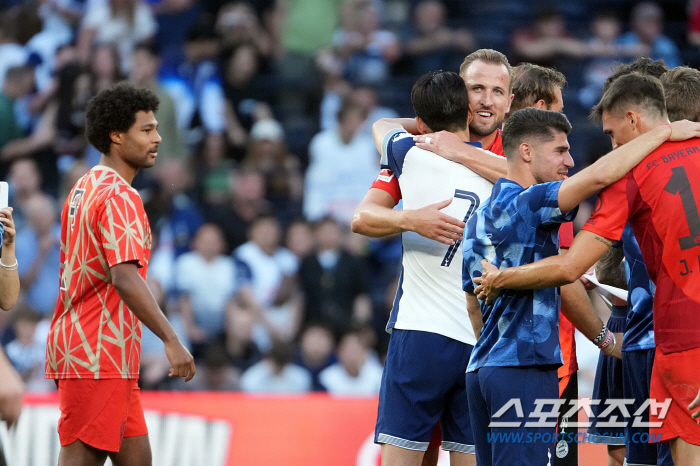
(118, 165)
(463, 135)
(521, 175)
(485, 141)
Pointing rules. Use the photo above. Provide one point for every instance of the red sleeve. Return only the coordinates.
(611, 211)
(566, 234)
(386, 181)
(123, 230)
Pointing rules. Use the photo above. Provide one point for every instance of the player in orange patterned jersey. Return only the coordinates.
(94, 344)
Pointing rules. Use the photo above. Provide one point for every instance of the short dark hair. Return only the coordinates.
(534, 123)
(642, 65)
(532, 83)
(441, 100)
(489, 56)
(682, 91)
(115, 109)
(632, 91)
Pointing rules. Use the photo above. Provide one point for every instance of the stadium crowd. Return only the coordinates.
(266, 109)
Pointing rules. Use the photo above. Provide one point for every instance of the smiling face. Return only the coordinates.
(139, 145)
(552, 160)
(488, 85)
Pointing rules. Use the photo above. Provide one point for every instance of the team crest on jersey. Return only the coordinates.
(385, 175)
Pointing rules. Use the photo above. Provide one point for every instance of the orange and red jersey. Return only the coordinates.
(659, 197)
(93, 334)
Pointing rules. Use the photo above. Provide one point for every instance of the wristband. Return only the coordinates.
(614, 342)
(601, 336)
(609, 337)
(671, 128)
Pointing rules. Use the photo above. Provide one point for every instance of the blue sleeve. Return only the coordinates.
(244, 274)
(467, 283)
(395, 146)
(539, 205)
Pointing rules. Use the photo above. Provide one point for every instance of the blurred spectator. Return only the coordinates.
(215, 374)
(206, 281)
(27, 351)
(365, 97)
(246, 203)
(693, 35)
(122, 23)
(647, 23)
(548, 41)
(246, 100)
(70, 101)
(12, 54)
(432, 44)
(365, 51)
(343, 165)
(175, 18)
(273, 278)
(334, 282)
(154, 363)
(39, 246)
(240, 347)
(238, 24)
(196, 87)
(276, 373)
(606, 53)
(25, 183)
(59, 19)
(268, 154)
(146, 63)
(299, 238)
(104, 66)
(308, 27)
(172, 212)
(356, 373)
(315, 351)
(19, 82)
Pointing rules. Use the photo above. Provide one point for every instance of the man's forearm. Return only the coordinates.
(135, 293)
(378, 221)
(610, 168)
(610, 269)
(483, 163)
(576, 306)
(476, 317)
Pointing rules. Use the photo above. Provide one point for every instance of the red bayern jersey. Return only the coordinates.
(659, 197)
(386, 181)
(93, 334)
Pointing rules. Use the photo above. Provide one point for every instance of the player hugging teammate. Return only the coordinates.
(513, 347)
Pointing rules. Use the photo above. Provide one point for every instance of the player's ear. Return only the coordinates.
(525, 152)
(510, 101)
(116, 136)
(422, 127)
(540, 104)
(632, 118)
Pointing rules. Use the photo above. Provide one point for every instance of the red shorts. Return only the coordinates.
(436, 439)
(100, 413)
(675, 376)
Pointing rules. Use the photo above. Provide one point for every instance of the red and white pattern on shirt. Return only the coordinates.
(93, 333)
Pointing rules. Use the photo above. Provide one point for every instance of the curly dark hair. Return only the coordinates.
(114, 109)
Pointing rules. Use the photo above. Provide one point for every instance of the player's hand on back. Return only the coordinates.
(431, 223)
(486, 289)
(684, 129)
(180, 359)
(445, 144)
